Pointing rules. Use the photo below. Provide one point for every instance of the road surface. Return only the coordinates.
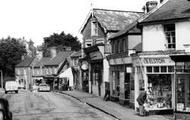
(50, 106)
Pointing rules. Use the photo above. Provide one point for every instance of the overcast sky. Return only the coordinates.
(35, 19)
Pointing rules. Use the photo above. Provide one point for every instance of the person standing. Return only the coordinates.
(141, 100)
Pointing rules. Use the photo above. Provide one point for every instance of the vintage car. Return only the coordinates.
(11, 86)
(43, 88)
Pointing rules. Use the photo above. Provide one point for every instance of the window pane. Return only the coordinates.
(149, 69)
(163, 69)
(170, 68)
(156, 69)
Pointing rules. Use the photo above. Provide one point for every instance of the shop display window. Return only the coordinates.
(156, 69)
(170, 68)
(183, 94)
(159, 92)
(163, 69)
(149, 69)
(160, 69)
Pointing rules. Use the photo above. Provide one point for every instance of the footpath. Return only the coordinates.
(112, 108)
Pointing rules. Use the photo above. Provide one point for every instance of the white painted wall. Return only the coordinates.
(182, 35)
(153, 38)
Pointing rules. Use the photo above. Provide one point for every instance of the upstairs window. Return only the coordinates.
(94, 28)
(169, 31)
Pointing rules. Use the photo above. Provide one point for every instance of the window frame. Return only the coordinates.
(169, 30)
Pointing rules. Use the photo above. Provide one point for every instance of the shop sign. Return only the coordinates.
(84, 65)
(156, 61)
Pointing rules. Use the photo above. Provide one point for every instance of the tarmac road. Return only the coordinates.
(50, 106)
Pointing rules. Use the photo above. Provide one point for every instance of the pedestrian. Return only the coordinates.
(141, 100)
(107, 92)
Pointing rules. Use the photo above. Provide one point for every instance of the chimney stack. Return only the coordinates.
(53, 52)
(150, 5)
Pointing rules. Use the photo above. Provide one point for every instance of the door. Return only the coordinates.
(183, 92)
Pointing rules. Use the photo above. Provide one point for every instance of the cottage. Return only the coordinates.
(99, 25)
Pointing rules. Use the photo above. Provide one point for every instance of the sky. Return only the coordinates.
(36, 19)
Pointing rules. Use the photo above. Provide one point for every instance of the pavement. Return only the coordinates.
(114, 109)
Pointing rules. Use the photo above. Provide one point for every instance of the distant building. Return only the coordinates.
(23, 72)
(47, 69)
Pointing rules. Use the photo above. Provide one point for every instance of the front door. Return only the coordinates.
(183, 92)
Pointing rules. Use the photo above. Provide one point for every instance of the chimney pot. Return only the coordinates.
(150, 5)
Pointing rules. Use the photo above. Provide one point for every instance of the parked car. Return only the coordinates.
(5, 114)
(11, 86)
(44, 87)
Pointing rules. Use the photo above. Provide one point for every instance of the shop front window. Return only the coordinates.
(170, 68)
(149, 69)
(159, 92)
(160, 69)
(163, 69)
(156, 69)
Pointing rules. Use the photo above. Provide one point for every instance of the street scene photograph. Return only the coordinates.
(95, 60)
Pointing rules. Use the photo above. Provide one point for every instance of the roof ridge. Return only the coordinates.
(116, 10)
(142, 18)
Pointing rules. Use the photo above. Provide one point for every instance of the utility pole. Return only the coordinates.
(1, 78)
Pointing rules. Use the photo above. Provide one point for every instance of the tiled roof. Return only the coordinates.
(131, 29)
(113, 20)
(42, 61)
(26, 62)
(171, 10)
(61, 56)
(76, 54)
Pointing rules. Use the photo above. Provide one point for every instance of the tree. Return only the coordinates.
(11, 51)
(61, 41)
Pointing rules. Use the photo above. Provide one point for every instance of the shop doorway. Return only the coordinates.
(96, 73)
(183, 92)
(127, 87)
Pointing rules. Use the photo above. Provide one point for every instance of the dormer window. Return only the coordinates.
(94, 28)
(169, 31)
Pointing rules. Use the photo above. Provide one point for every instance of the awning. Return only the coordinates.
(67, 74)
(180, 57)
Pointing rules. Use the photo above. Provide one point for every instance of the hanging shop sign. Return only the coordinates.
(84, 65)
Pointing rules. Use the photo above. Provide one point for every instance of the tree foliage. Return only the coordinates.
(11, 51)
(61, 41)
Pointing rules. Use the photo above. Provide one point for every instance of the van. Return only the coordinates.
(11, 86)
